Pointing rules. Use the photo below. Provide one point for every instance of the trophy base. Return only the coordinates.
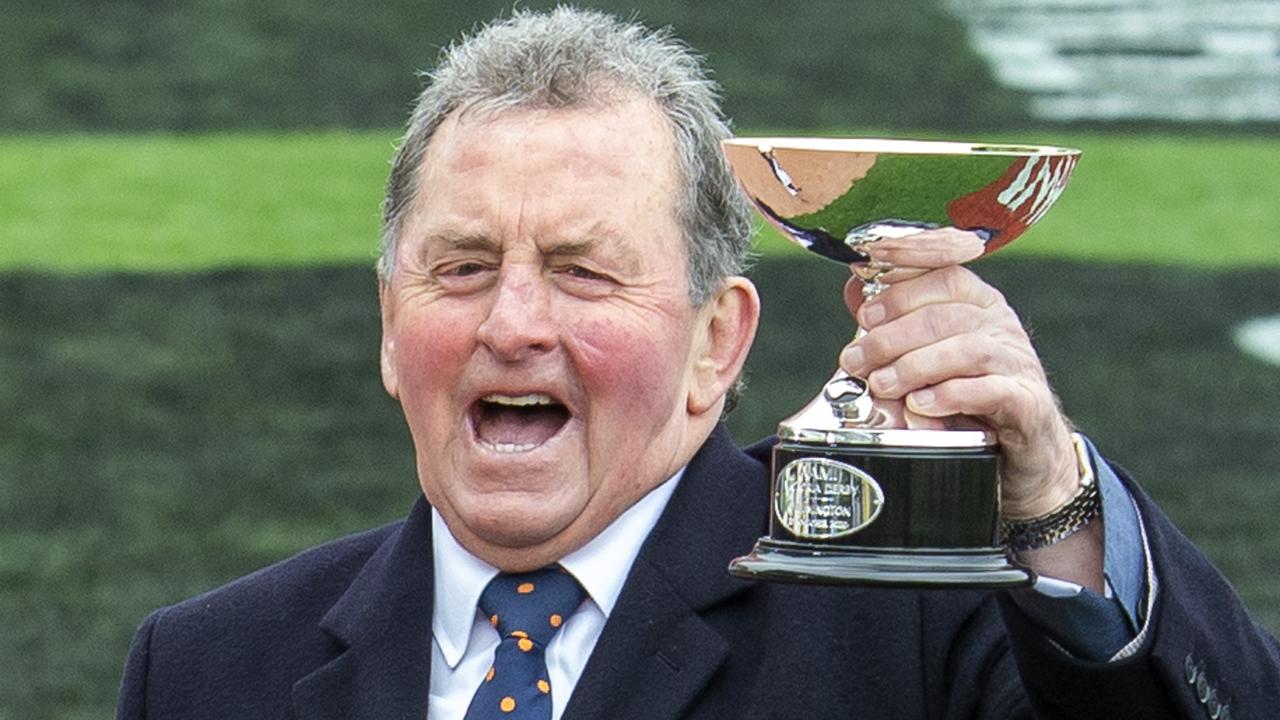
(799, 562)
(890, 508)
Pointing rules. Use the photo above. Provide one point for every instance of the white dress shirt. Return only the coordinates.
(463, 641)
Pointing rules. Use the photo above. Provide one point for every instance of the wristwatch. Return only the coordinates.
(1066, 520)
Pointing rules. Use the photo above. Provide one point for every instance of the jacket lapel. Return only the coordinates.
(381, 629)
(657, 653)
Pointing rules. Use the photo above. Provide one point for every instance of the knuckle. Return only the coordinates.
(993, 297)
(1020, 335)
(874, 347)
(1000, 405)
(955, 280)
(949, 362)
(889, 299)
(962, 285)
(958, 318)
(940, 321)
(911, 368)
(986, 358)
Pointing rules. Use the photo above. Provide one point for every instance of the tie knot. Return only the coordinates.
(531, 605)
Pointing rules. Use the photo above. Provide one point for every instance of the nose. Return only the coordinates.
(519, 323)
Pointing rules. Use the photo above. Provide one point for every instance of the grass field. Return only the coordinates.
(165, 202)
(162, 432)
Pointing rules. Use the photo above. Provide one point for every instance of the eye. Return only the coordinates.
(464, 275)
(585, 282)
(582, 273)
(463, 269)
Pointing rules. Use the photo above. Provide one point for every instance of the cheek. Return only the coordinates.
(632, 364)
(430, 351)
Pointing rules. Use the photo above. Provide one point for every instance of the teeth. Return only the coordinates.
(508, 447)
(519, 400)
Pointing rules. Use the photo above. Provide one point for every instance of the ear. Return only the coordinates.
(386, 300)
(726, 328)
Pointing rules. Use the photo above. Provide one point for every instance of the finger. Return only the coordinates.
(944, 285)
(1031, 431)
(935, 248)
(964, 355)
(915, 421)
(929, 325)
(950, 422)
(899, 274)
(894, 414)
(854, 289)
(1014, 409)
(853, 297)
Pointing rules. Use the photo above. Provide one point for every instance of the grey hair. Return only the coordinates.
(571, 57)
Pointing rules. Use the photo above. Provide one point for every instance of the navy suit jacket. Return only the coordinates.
(344, 631)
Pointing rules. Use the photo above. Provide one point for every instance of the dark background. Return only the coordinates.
(180, 65)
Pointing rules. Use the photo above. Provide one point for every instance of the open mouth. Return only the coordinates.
(517, 423)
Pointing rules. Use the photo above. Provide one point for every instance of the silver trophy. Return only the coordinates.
(857, 497)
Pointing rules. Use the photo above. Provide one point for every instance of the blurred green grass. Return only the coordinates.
(162, 202)
(89, 202)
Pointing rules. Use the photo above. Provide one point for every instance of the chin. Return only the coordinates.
(515, 522)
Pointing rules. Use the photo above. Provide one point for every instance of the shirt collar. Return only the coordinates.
(601, 567)
(460, 577)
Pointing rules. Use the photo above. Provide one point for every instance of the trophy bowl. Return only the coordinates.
(857, 497)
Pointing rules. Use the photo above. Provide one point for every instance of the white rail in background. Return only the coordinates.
(1192, 60)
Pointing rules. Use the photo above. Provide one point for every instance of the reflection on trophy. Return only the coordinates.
(857, 497)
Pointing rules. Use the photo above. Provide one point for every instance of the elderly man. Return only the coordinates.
(563, 319)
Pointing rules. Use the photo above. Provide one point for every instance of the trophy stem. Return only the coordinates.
(849, 397)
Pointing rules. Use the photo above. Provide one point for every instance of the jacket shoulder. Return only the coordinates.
(237, 650)
(291, 595)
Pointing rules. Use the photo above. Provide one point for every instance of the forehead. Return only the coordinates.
(622, 121)
(585, 161)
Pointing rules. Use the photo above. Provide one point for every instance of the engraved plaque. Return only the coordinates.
(818, 498)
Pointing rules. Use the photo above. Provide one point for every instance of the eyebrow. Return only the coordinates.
(596, 237)
(462, 241)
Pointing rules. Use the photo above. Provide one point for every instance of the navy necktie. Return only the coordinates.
(527, 609)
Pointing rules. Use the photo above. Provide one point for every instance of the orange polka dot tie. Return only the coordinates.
(527, 609)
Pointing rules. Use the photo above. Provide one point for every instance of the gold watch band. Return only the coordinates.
(1066, 520)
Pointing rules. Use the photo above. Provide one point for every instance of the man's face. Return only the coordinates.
(538, 330)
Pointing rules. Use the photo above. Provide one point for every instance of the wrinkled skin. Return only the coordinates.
(538, 331)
